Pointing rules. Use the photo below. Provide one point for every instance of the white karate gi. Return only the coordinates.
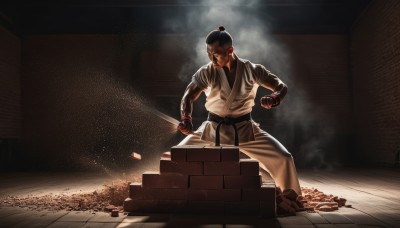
(253, 141)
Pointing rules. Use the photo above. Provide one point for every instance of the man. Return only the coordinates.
(231, 84)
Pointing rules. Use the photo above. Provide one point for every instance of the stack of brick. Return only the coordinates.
(198, 179)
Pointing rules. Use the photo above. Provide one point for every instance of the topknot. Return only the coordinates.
(219, 35)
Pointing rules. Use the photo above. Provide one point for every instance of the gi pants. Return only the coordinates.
(273, 157)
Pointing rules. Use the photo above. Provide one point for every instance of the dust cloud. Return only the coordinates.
(304, 128)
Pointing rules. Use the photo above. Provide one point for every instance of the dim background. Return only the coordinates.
(77, 78)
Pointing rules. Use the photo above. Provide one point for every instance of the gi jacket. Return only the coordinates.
(226, 102)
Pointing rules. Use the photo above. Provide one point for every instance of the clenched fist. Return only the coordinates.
(269, 101)
(186, 126)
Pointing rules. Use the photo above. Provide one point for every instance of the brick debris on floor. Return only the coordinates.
(191, 179)
(106, 199)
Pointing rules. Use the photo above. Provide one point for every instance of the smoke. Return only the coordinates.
(241, 21)
(248, 23)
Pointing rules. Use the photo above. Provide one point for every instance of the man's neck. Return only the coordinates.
(231, 65)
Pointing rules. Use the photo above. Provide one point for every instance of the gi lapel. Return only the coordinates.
(236, 85)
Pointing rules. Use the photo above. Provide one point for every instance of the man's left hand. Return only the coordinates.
(267, 102)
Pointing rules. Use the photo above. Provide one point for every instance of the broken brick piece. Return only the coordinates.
(249, 167)
(325, 208)
(178, 153)
(114, 213)
(242, 182)
(290, 194)
(342, 202)
(222, 168)
(206, 182)
(200, 153)
(185, 168)
(165, 180)
(331, 204)
(214, 194)
(136, 156)
(230, 153)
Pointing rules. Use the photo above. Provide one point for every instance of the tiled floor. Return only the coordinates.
(373, 193)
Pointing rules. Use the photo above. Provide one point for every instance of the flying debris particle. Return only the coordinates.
(136, 156)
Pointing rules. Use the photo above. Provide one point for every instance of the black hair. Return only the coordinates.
(219, 35)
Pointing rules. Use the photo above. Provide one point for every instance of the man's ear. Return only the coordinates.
(230, 50)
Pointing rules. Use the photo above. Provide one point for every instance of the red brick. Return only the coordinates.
(266, 192)
(178, 153)
(166, 154)
(206, 182)
(268, 208)
(172, 206)
(242, 181)
(138, 193)
(249, 167)
(165, 180)
(131, 205)
(186, 168)
(206, 207)
(222, 168)
(199, 153)
(230, 153)
(242, 207)
(214, 194)
(135, 186)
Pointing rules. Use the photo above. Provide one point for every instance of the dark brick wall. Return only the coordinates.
(320, 66)
(80, 108)
(315, 121)
(10, 89)
(10, 99)
(375, 64)
(340, 87)
(72, 104)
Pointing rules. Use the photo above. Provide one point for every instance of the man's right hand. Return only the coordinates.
(186, 126)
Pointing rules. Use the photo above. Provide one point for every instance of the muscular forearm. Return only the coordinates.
(280, 91)
(186, 107)
(278, 88)
(191, 94)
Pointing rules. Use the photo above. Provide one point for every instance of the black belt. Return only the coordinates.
(227, 121)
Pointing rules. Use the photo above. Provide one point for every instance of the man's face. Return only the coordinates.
(219, 55)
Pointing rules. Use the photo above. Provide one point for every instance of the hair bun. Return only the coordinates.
(221, 28)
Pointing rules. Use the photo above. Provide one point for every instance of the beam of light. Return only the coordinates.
(145, 108)
(160, 114)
